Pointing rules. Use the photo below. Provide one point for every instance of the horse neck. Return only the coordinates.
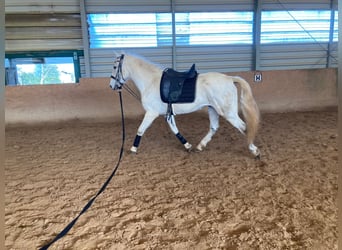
(142, 73)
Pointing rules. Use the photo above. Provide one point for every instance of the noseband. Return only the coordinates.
(119, 76)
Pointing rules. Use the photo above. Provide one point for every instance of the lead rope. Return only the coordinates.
(90, 202)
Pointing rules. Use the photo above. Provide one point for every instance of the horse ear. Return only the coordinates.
(116, 54)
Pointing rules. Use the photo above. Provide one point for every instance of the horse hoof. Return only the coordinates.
(199, 148)
(258, 157)
(188, 147)
(254, 150)
(134, 150)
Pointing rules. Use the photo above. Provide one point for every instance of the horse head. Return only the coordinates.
(117, 79)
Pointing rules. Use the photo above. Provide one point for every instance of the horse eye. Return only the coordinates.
(114, 67)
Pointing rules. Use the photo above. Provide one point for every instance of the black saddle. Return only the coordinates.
(178, 87)
(186, 74)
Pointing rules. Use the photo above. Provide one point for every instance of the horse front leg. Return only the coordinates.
(172, 123)
(145, 124)
(214, 125)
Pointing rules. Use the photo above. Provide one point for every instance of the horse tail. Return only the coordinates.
(249, 108)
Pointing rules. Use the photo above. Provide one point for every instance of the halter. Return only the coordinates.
(119, 76)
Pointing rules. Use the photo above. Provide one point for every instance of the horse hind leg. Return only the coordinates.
(214, 125)
(236, 121)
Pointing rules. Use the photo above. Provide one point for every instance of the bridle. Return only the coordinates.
(119, 78)
(119, 75)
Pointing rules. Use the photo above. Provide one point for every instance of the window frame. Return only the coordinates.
(74, 54)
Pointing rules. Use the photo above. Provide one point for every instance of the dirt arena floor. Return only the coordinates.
(167, 198)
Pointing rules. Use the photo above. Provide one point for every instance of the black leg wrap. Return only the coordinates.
(137, 141)
(181, 138)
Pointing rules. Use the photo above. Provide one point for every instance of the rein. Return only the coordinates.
(131, 92)
(91, 201)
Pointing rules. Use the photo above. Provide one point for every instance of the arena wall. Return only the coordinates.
(93, 100)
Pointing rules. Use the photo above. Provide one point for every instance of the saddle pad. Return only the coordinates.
(178, 89)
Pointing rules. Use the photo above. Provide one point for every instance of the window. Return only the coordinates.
(214, 28)
(41, 68)
(295, 26)
(208, 28)
(335, 38)
(130, 30)
(155, 29)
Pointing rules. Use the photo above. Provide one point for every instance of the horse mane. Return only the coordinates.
(144, 62)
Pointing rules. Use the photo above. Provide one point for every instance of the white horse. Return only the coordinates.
(214, 90)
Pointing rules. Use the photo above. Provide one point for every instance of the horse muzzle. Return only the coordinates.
(114, 83)
(115, 87)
